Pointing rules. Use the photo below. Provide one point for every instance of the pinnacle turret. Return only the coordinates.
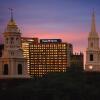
(93, 33)
(11, 22)
(93, 25)
(12, 26)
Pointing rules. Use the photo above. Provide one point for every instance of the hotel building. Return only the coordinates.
(49, 55)
(25, 46)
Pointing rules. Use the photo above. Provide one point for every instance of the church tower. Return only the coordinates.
(93, 51)
(12, 63)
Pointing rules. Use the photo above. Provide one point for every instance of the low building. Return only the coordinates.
(77, 61)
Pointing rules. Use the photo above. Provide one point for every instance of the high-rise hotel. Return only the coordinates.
(49, 55)
(25, 46)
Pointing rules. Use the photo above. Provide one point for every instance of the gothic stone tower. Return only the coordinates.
(12, 63)
(93, 51)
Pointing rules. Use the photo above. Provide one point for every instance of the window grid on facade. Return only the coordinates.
(48, 57)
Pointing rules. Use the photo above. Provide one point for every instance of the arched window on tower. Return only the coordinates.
(7, 40)
(19, 69)
(5, 71)
(91, 57)
(17, 40)
(91, 44)
(12, 40)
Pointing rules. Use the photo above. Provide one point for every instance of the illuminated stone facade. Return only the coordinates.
(93, 50)
(12, 63)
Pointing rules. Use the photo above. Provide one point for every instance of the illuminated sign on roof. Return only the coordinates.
(50, 40)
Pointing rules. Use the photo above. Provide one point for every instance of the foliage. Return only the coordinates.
(72, 85)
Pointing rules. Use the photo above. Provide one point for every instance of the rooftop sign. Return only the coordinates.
(50, 40)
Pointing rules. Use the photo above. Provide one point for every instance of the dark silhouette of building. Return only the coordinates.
(77, 61)
(1, 49)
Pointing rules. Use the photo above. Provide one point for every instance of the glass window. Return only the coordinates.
(6, 40)
(19, 69)
(91, 57)
(5, 72)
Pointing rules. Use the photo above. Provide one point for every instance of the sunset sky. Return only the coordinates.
(69, 20)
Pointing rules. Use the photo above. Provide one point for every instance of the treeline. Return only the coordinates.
(72, 85)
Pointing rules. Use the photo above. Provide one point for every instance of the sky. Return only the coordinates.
(69, 20)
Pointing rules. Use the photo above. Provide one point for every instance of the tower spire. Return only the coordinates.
(11, 21)
(12, 26)
(93, 26)
(11, 12)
